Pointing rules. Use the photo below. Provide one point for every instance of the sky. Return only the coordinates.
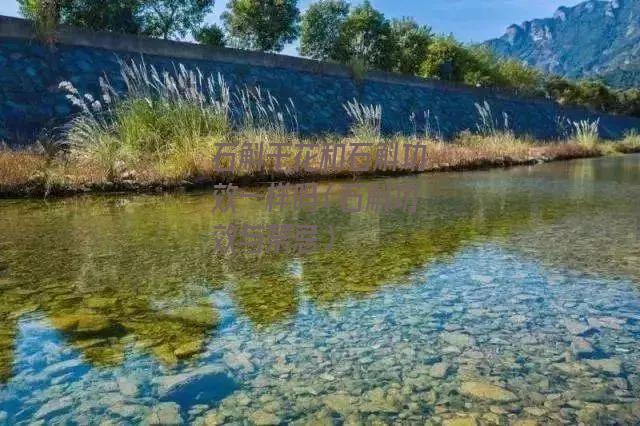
(467, 20)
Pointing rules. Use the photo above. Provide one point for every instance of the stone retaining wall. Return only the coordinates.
(30, 72)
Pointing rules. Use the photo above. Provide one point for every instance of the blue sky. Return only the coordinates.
(468, 20)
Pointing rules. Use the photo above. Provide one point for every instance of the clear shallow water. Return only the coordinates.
(509, 296)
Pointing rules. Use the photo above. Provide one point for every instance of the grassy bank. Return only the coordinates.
(29, 173)
(164, 131)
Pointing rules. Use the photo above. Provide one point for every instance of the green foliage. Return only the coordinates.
(211, 35)
(158, 18)
(629, 102)
(518, 76)
(265, 25)
(45, 15)
(119, 16)
(362, 35)
(446, 60)
(366, 34)
(321, 26)
(170, 18)
(411, 42)
(481, 68)
(596, 95)
(593, 94)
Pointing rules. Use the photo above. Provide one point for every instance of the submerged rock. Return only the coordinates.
(439, 370)
(340, 403)
(461, 421)
(128, 387)
(238, 361)
(576, 327)
(53, 407)
(457, 339)
(264, 418)
(86, 323)
(377, 403)
(129, 411)
(611, 366)
(580, 347)
(606, 322)
(165, 414)
(188, 349)
(211, 418)
(525, 422)
(168, 385)
(60, 368)
(202, 316)
(487, 391)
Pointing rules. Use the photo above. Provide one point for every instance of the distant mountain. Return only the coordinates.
(594, 38)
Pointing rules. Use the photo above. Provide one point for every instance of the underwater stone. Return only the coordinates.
(168, 385)
(263, 418)
(340, 403)
(188, 349)
(439, 370)
(60, 368)
(128, 387)
(612, 366)
(166, 413)
(83, 323)
(581, 347)
(461, 421)
(457, 339)
(203, 316)
(576, 327)
(54, 407)
(486, 391)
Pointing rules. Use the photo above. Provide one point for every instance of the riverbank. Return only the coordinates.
(36, 173)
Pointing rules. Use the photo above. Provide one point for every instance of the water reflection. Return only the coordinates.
(113, 276)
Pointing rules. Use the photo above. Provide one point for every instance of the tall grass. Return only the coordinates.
(586, 133)
(366, 121)
(487, 124)
(630, 142)
(173, 118)
(430, 131)
(260, 117)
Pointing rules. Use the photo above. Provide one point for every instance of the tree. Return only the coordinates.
(561, 90)
(45, 15)
(265, 25)
(117, 16)
(629, 102)
(321, 27)
(411, 45)
(158, 18)
(520, 77)
(170, 18)
(366, 36)
(447, 59)
(595, 94)
(211, 35)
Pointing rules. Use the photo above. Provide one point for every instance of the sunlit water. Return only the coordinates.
(509, 296)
